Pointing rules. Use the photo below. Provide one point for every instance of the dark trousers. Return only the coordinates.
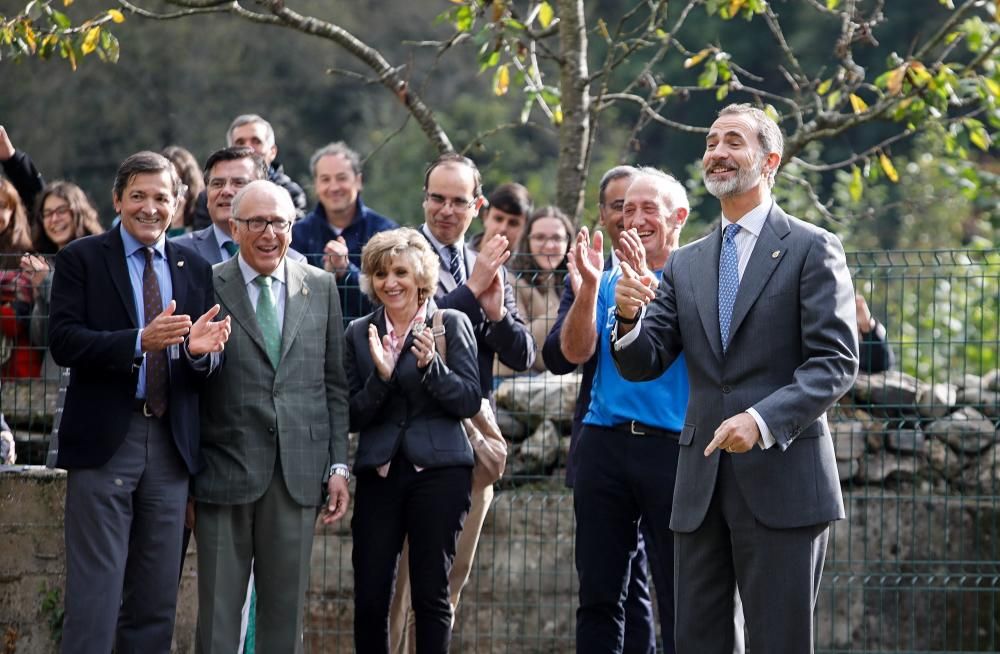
(621, 479)
(640, 628)
(428, 508)
(778, 571)
(123, 544)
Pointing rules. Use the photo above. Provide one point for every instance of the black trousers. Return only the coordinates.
(621, 478)
(428, 508)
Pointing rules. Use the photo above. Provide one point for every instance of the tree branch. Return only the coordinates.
(214, 8)
(823, 168)
(652, 113)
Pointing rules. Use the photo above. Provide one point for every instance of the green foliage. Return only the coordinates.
(52, 611)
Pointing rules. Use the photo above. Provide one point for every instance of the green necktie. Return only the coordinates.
(267, 318)
(231, 248)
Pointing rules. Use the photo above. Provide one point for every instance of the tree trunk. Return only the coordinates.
(574, 87)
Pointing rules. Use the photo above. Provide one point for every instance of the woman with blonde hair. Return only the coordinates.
(414, 461)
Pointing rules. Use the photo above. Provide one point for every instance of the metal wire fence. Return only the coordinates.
(915, 567)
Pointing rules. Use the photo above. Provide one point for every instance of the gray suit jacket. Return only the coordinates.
(203, 242)
(792, 354)
(252, 410)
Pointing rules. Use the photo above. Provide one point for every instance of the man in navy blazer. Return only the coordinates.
(131, 318)
(763, 311)
(226, 172)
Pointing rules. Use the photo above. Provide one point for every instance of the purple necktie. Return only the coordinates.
(156, 361)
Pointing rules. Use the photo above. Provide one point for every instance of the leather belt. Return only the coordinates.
(636, 428)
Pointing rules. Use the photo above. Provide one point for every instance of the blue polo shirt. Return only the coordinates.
(659, 403)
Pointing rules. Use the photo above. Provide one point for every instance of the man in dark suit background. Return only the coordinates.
(121, 321)
(763, 311)
(226, 172)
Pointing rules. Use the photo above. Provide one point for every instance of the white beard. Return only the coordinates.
(744, 180)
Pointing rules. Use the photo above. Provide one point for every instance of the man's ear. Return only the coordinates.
(682, 215)
(480, 201)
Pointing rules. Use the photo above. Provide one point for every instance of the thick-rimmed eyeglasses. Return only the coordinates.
(458, 205)
(545, 239)
(279, 225)
(61, 211)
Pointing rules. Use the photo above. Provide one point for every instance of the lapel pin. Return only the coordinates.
(305, 290)
(180, 264)
(774, 255)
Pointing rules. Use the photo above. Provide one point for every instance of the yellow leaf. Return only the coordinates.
(895, 81)
(601, 25)
(859, 105)
(735, 6)
(501, 83)
(887, 167)
(116, 16)
(557, 116)
(29, 36)
(67, 3)
(824, 86)
(545, 14)
(993, 87)
(663, 90)
(856, 187)
(90, 41)
(690, 62)
(919, 74)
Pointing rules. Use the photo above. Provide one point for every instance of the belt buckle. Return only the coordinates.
(145, 410)
(632, 428)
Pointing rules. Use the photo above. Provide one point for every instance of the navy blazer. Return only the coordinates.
(420, 411)
(92, 330)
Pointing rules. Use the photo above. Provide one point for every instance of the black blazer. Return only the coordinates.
(92, 330)
(420, 411)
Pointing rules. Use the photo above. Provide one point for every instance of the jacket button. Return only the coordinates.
(726, 388)
(276, 393)
(270, 430)
(402, 423)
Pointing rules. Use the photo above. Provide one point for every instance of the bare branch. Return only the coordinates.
(822, 168)
(219, 7)
(945, 28)
(779, 36)
(478, 138)
(652, 113)
(813, 197)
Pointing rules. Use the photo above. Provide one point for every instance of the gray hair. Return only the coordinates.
(768, 133)
(270, 188)
(247, 119)
(671, 190)
(618, 172)
(336, 149)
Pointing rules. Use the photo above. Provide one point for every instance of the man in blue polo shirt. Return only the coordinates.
(626, 457)
(332, 235)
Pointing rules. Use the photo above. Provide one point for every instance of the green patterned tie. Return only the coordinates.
(231, 248)
(267, 318)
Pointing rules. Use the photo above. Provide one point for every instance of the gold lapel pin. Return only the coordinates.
(180, 264)
(774, 255)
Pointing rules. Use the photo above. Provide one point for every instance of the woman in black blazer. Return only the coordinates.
(414, 461)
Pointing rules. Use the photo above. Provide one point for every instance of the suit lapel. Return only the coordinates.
(297, 301)
(118, 271)
(446, 283)
(706, 295)
(767, 254)
(232, 294)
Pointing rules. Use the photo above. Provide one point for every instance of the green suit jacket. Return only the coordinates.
(252, 411)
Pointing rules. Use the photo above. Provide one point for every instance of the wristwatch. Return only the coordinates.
(341, 470)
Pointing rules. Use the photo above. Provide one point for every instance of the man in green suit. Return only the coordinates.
(274, 431)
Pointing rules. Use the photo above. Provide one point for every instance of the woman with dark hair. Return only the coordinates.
(539, 265)
(16, 355)
(193, 182)
(62, 214)
(414, 461)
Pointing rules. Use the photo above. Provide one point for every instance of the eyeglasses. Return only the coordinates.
(279, 225)
(458, 205)
(542, 239)
(62, 211)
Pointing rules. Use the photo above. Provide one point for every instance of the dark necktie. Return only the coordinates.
(156, 361)
(267, 318)
(729, 281)
(455, 264)
(231, 248)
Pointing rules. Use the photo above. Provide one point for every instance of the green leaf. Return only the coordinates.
(489, 61)
(824, 86)
(709, 75)
(722, 92)
(771, 112)
(60, 19)
(663, 90)
(463, 19)
(832, 4)
(111, 49)
(833, 99)
(856, 187)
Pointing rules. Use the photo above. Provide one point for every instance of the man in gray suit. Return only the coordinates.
(764, 313)
(226, 172)
(272, 424)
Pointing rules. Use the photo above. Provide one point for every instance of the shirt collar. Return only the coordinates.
(132, 244)
(419, 316)
(220, 236)
(441, 247)
(753, 220)
(249, 274)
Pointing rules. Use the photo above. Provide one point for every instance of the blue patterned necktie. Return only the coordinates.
(729, 281)
(267, 318)
(455, 264)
